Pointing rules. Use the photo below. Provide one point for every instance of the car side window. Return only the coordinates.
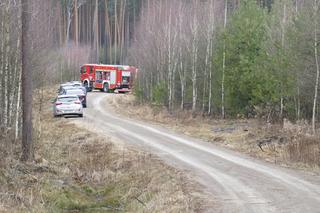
(61, 91)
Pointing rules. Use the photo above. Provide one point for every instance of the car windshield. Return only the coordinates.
(74, 92)
(67, 99)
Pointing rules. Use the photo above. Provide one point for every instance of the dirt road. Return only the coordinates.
(237, 183)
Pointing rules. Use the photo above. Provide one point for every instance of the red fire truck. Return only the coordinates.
(107, 78)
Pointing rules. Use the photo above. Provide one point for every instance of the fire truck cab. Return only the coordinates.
(107, 78)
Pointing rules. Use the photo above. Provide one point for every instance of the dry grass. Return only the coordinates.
(305, 150)
(288, 144)
(76, 170)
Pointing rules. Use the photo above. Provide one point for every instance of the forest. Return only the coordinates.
(230, 59)
(221, 58)
(223, 115)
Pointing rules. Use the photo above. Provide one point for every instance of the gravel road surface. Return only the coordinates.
(236, 182)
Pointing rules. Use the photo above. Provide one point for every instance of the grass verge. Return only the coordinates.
(78, 171)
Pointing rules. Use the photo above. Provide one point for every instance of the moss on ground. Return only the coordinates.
(84, 198)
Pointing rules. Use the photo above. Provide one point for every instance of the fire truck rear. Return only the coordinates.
(108, 78)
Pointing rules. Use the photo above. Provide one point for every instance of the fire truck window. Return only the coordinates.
(91, 70)
(108, 76)
(125, 79)
(98, 75)
(84, 69)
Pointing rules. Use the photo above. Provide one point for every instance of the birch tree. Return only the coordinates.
(194, 54)
(224, 61)
(209, 54)
(316, 44)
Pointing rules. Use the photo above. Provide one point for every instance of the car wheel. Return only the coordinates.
(80, 115)
(105, 87)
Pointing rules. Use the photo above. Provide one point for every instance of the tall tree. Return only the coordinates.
(96, 31)
(224, 61)
(27, 147)
(315, 17)
(194, 54)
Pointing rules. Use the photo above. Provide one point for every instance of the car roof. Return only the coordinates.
(77, 89)
(67, 96)
(70, 87)
(66, 84)
(75, 84)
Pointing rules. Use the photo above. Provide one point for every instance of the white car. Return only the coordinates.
(70, 85)
(76, 83)
(75, 91)
(67, 105)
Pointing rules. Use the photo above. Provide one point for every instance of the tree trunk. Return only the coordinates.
(317, 66)
(224, 61)
(210, 89)
(205, 76)
(283, 46)
(194, 72)
(209, 53)
(182, 69)
(17, 120)
(6, 65)
(96, 31)
(108, 39)
(170, 67)
(1, 65)
(16, 73)
(27, 148)
(115, 34)
(69, 20)
(298, 104)
(76, 19)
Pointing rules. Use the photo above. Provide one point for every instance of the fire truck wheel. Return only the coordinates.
(86, 85)
(105, 87)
